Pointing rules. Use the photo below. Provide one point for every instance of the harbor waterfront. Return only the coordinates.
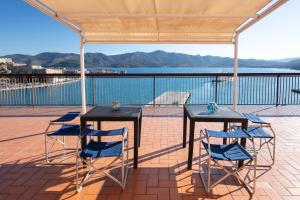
(136, 89)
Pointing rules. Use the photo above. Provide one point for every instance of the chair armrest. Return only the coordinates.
(125, 135)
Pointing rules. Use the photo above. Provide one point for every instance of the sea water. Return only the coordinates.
(141, 90)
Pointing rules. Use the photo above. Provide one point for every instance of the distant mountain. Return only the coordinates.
(286, 59)
(142, 59)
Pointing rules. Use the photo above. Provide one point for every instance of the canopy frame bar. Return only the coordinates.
(260, 16)
(160, 31)
(125, 15)
(48, 11)
(153, 42)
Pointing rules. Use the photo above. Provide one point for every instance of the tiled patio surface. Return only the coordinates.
(162, 170)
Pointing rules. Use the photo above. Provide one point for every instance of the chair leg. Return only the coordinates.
(273, 151)
(125, 165)
(77, 172)
(79, 185)
(92, 169)
(234, 173)
(202, 178)
(49, 152)
(46, 144)
(200, 165)
(64, 142)
(274, 145)
(123, 173)
(241, 178)
(209, 175)
(254, 176)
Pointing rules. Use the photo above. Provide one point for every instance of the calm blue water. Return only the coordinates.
(140, 90)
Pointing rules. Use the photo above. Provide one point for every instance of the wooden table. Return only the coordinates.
(198, 113)
(106, 113)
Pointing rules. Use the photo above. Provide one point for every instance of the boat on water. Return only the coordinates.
(296, 90)
(108, 71)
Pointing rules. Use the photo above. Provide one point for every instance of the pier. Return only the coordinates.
(172, 98)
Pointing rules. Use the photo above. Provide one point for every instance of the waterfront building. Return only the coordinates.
(6, 60)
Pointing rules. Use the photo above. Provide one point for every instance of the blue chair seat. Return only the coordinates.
(68, 130)
(254, 118)
(255, 132)
(114, 132)
(229, 152)
(102, 149)
(222, 134)
(67, 117)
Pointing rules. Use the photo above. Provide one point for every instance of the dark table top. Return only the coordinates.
(224, 113)
(107, 113)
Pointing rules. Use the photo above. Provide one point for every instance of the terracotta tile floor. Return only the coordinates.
(162, 170)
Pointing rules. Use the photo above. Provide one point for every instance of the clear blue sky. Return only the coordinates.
(25, 30)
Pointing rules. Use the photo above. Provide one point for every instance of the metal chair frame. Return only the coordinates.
(265, 141)
(80, 161)
(235, 172)
(56, 139)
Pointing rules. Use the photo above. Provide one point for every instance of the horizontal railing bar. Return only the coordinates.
(136, 104)
(150, 74)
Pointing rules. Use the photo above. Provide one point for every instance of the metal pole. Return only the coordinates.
(32, 91)
(216, 89)
(82, 75)
(235, 72)
(154, 91)
(277, 90)
(93, 91)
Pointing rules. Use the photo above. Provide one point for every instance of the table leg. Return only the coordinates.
(225, 129)
(191, 144)
(243, 141)
(136, 143)
(184, 129)
(99, 128)
(83, 139)
(140, 128)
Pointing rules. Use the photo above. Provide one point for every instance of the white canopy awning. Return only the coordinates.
(155, 21)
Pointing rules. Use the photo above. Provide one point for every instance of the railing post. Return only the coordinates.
(153, 91)
(93, 91)
(277, 89)
(216, 89)
(32, 91)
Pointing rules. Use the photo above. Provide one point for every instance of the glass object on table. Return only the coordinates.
(116, 105)
(212, 107)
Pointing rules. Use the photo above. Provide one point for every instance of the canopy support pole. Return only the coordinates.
(235, 72)
(82, 76)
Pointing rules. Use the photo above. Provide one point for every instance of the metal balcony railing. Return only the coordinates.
(150, 89)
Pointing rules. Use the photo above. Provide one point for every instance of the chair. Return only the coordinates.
(221, 153)
(96, 150)
(257, 130)
(66, 129)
